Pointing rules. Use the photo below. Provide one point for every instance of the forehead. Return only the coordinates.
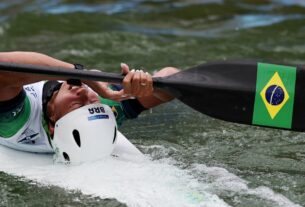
(63, 85)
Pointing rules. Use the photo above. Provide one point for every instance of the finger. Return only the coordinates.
(143, 84)
(127, 82)
(117, 95)
(124, 68)
(150, 88)
(135, 84)
(111, 94)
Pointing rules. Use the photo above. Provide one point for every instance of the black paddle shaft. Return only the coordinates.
(242, 92)
(224, 90)
(62, 73)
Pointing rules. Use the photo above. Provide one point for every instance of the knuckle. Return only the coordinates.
(125, 82)
(136, 78)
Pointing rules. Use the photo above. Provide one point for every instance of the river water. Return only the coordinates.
(235, 164)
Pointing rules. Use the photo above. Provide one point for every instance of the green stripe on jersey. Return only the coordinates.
(9, 127)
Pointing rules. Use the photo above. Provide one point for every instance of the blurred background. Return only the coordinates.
(151, 34)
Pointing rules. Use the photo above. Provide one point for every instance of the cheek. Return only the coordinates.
(64, 98)
(61, 104)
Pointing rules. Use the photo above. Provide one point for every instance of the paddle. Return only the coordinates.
(242, 92)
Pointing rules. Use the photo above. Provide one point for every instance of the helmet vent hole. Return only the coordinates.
(76, 137)
(66, 156)
(115, 134)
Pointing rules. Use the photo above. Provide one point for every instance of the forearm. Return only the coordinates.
(11, 82)
(31, 58)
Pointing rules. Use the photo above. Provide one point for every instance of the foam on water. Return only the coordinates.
(220, 181)
(134, 180)
(224, 181)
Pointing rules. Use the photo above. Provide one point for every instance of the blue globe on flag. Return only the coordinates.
(275, 95)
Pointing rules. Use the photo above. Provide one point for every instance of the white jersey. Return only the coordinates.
(31, 136)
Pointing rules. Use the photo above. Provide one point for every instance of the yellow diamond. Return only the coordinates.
(271, 108)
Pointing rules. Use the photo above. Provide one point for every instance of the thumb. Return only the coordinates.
(125, 68)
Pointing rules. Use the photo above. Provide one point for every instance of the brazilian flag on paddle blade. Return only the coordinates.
(275, 89)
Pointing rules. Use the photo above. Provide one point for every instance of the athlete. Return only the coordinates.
(30, 106)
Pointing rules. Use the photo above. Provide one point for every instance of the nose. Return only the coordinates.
(84, 94)
(81, 91)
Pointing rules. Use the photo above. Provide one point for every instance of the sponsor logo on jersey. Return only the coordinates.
(31, 90)
(17, 111)
(28, 137)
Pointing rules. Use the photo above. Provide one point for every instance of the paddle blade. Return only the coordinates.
(243, 92)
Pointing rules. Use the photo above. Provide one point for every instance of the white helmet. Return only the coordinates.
(85, 134)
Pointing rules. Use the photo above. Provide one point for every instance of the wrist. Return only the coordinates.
(78, 66)
(76, 82)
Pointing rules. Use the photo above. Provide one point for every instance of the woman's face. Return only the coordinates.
(69, 98)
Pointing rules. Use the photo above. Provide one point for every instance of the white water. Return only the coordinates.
(220, 181)
(224, 181)
(131, 178)
(135, 180)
